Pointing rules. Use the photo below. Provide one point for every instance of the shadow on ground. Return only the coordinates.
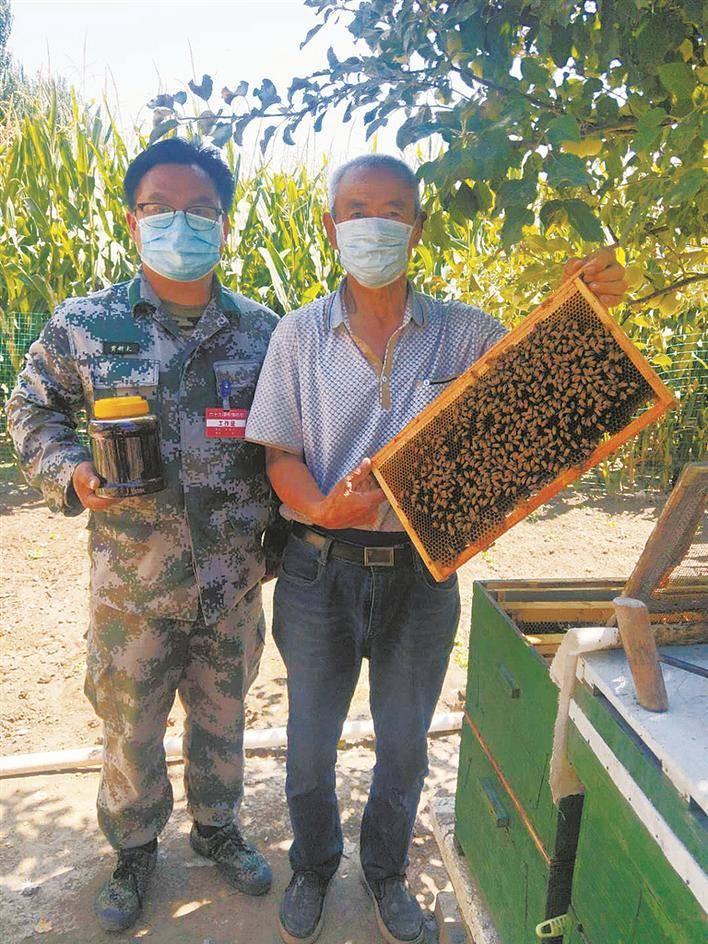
(53, 859)
(15, 493)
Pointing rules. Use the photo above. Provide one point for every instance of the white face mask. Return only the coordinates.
(373, 250)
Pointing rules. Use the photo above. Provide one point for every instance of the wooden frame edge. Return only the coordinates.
(664, 400)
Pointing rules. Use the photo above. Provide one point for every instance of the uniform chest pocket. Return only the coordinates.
(235, 383)
(123, 376)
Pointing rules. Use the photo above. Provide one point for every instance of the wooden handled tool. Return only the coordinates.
(640, 646)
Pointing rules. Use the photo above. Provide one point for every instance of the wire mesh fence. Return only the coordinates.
(649, 462)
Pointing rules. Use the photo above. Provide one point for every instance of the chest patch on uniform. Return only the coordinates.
(121, 347)
(225, 424)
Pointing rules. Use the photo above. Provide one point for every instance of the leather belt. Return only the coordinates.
(398, 555)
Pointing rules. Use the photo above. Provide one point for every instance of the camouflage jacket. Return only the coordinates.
(200, 538)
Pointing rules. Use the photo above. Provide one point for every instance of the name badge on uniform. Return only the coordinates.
(225, 424)
(121, 347)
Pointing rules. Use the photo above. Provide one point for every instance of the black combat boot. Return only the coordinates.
(398, 915)
(302, 909)
(120, 901)
(237, 860)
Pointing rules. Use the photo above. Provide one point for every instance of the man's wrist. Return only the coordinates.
(72, 502)
(317, 512)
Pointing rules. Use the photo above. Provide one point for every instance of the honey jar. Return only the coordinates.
(125, 443)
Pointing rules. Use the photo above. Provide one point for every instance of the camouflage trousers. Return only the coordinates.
(135, 666)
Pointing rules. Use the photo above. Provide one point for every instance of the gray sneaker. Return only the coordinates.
(398, 914)
(237, 860)
(120, 901)
(302, 909)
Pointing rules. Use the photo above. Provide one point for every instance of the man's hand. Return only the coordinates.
(353, 501)
(604, 275)
(85, 481)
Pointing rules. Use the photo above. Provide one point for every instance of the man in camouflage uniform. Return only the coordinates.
(175, 576)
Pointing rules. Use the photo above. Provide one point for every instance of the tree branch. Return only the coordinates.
(669, 288)
(469, 76)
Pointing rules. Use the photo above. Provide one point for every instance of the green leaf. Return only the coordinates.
(533, 71)
(492, 154)
(657, 34)
(267, 94)
(564, 128)
(159, 131)
(684, 133)
(221, 134)
(687, 186)
(561, 44)
(206, 122)
(313, 32)
(429, 172)
(515, 218)
(567, 170)
(162, 101)
(415, 128)
(465, 202)
(552, 214)
(516, 193)
(267, 135)
(240, 126)
(457, 164)
(649, 128)
(436, 230)
(240, 90)
(607, 108)
(677, 78)
(584, 221)
(204, 89)
(483, 195)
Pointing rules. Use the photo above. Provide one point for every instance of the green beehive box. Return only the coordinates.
(511, 699)
(519, 845)
(640, 872)
(519, 882)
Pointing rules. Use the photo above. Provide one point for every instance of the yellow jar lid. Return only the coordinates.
(117, 408)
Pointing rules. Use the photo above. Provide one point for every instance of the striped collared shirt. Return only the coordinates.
(325, 396)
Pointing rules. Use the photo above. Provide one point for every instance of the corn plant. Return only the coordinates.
(63, 233)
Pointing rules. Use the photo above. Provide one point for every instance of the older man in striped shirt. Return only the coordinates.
(342, 376)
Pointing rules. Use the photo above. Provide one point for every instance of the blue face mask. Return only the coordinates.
(374, 250)
(177, 251)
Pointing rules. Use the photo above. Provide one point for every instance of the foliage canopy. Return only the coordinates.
(63, 232)
(579, 117)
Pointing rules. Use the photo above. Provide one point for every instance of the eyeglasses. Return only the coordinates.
(161, 215)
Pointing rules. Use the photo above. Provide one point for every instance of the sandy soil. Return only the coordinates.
(43, 607)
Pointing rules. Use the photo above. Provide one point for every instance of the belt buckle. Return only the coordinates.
(378, 557)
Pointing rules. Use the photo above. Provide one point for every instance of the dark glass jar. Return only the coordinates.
(125, 442)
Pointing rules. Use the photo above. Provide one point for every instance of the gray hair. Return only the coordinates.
(375, 162)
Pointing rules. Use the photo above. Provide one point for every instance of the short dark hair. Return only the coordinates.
(375, 162)
(179, 151)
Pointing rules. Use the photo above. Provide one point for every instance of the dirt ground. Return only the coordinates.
(52, 856)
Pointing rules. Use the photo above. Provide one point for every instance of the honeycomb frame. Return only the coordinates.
(388, 461)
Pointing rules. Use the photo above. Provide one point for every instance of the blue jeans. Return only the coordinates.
(328, 614)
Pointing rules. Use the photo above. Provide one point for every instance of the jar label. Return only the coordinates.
(229, 424)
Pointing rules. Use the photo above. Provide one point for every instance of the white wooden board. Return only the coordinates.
(679, 736)
(676, 853)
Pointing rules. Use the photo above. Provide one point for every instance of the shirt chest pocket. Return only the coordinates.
(235, 383)
(429, 388)
(123, 376)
